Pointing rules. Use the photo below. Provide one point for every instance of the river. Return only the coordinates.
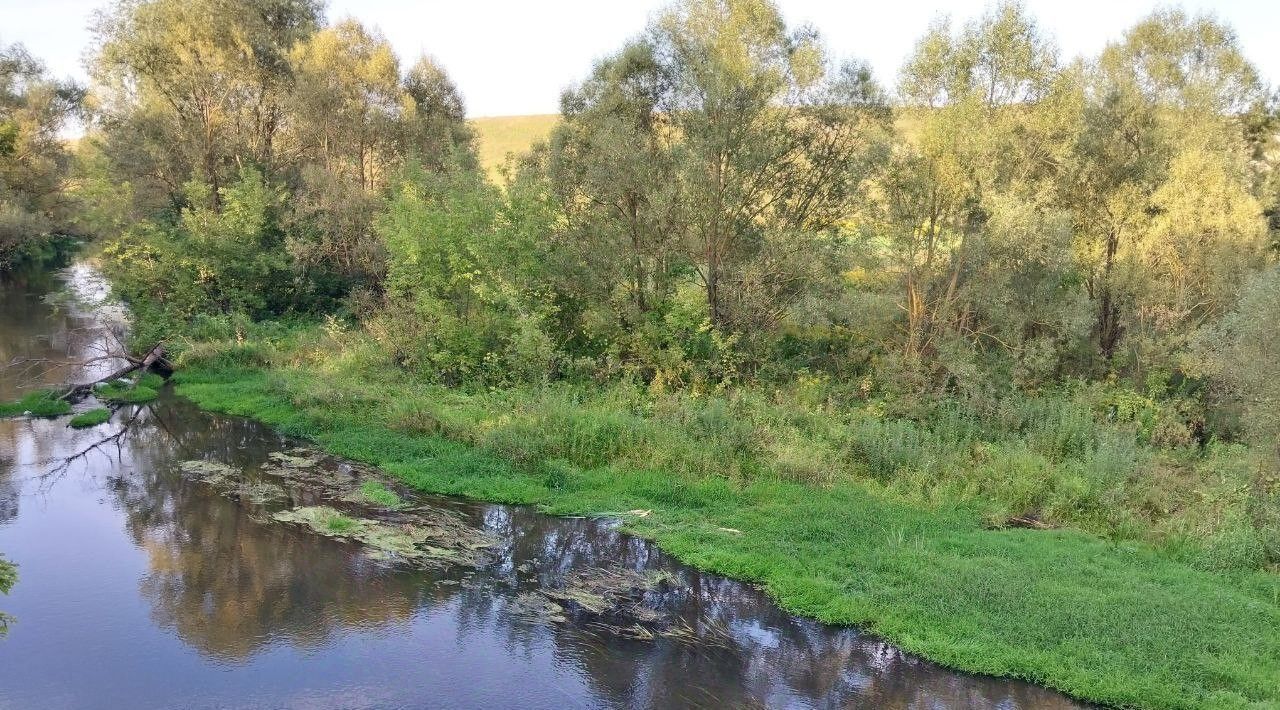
(141, 585)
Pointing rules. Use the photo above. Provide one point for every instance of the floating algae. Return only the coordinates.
(230, 481)
(621, 602)
(301, 468)
(423, 536)
(536, 606)
(295, 458)
(424, 539)
(619, 595)
(210, 472)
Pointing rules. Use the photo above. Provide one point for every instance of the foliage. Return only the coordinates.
(740, 284)
(191, 99)
(8, 575)
(33, 160)
(463, 299)
(8, 578)
(1239, 354)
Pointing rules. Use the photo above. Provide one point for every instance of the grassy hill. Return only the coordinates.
(499, 136)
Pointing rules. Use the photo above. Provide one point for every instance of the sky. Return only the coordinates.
(515, 57)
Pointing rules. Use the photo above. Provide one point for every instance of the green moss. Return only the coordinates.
(44, 403)
(1123, 623)
(93, 417)
(378, 494)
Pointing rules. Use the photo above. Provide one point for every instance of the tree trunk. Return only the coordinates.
(1108, 328)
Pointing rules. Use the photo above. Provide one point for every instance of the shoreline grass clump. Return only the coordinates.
(42, 403)
(143, 389)
(378, 494)
(90, 418)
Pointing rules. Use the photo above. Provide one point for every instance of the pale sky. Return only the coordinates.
(513, 57)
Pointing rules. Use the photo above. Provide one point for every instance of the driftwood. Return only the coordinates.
(153, 360)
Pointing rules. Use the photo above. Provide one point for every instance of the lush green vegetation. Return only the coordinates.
(846, 516)
(8, 577)
(40, 403)
(986, 363)
(34, 162)
(90, 418)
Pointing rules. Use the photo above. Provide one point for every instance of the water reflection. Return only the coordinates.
(165, 593)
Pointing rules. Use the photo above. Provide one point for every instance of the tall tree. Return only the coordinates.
(981, 254)
(33, 160)
(198, 79)
(1167, 221)
(773, 146)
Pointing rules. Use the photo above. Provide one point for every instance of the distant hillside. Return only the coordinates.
(499, 135)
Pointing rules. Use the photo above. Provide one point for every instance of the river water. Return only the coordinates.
(141, 585)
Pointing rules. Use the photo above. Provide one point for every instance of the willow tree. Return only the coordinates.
(33, 161)
(610, 166)
(980, 252)
(1167, 223)
(355, 121)
(771, 146)
(189, 88)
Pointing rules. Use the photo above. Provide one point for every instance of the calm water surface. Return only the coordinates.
(140, 587)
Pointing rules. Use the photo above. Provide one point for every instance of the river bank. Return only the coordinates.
(1122, 623)
(178, 558)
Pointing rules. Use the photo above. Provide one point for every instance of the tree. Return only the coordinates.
(1241, 355)
(201, 81)
(967, 222)
(611, 167)
(354, 123)
(722, 144)
(1160, 183)
(347, 100)
(773, 148)
(33, 162)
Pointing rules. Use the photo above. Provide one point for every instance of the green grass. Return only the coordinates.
(497, 136)
(378, 494)
(339, 524)
(92, 417)
(825, 511)
(144, 389)
(44, 403)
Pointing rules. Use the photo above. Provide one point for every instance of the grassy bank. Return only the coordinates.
(763, 490)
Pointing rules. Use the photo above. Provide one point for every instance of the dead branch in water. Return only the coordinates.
(153, 359)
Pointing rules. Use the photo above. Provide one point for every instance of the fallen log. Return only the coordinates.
(152, 360)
